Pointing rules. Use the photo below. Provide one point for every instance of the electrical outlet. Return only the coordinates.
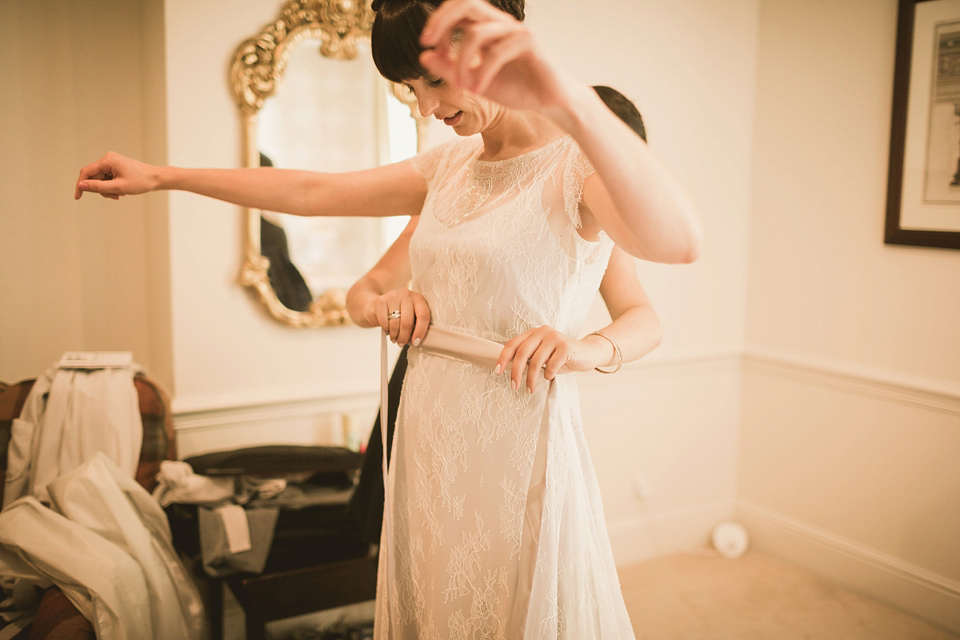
(641, 485)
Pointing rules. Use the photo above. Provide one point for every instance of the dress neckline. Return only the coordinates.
(516, 158)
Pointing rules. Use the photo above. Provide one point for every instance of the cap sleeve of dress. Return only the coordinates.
(429, 162)
(575, 171)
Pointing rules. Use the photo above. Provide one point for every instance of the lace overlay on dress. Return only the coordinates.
(497, 252)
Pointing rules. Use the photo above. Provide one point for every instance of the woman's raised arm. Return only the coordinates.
(631, 196)
(390, 190)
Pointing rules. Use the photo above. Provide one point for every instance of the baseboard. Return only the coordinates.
(653, 535)
(914, 589)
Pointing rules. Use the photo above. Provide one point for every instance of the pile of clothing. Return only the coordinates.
(73, 515)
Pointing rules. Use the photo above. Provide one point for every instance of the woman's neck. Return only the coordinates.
(513, 133)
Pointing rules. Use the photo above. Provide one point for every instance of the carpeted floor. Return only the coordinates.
(703, 596)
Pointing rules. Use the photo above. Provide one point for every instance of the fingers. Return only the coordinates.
(403, 326)
(94, 171)
(393, 325)
(110, 188)
(456, 35)
(437, 64)
(403, 315)
(496, 56)
(101, 177)
(554, 365)
(449, 16)
(536, 365)
(381, 311)
(114, 175)
(474, 48)
(538, 352)
(422, 311)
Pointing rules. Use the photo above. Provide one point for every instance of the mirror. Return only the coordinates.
(311, 98)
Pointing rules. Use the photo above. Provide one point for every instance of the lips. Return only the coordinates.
(454, 119)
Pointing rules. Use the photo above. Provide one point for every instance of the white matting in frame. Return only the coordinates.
(930, 200)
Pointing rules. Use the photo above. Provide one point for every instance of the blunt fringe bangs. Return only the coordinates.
(395, 37)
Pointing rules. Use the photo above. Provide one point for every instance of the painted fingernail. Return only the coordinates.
(513, 383)
(416, 342)
(498, 369)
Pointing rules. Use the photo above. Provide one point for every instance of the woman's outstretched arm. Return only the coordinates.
(390, 190)
(631, 196)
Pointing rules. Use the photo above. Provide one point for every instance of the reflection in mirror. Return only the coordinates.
(321, 106)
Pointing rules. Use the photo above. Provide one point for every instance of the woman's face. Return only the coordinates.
(466, 112)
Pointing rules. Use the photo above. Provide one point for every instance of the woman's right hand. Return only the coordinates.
(410, 326)
(114, 175)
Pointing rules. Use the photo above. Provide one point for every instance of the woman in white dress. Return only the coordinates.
(499, 531)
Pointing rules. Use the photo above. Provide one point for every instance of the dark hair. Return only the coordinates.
(623, 108)
(395, 39)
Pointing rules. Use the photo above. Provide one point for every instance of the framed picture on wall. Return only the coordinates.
(923, 183)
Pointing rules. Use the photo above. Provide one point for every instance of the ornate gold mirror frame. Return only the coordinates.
(255, 75)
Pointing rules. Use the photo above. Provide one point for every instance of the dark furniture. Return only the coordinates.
(317, 559)
(321, 558)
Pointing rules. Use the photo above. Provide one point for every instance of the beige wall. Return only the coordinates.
(851, 405)
(226, 350)
(672, 419)
(689, 66)
(76, 276)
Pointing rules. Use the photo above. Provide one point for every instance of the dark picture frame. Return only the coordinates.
(923, 180)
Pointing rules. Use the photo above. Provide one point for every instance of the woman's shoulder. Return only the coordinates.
(447, 156)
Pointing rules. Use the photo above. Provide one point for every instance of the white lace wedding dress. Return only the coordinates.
(497, 522)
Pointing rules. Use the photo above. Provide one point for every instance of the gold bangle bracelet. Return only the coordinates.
(616, 351)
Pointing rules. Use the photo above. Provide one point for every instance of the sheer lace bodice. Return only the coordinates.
(497, 250)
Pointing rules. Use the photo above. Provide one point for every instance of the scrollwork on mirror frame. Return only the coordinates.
(257, 69)
(260, 61)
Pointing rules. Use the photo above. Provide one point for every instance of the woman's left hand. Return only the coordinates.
(548, 352)
(496, 57)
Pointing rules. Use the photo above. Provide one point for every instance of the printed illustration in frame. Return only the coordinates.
(923, 186)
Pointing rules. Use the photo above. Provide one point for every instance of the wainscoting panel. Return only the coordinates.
(664, 533)
(882, 576)
(663, 439)
(667, 423)
(854, 473)
(344, 420)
